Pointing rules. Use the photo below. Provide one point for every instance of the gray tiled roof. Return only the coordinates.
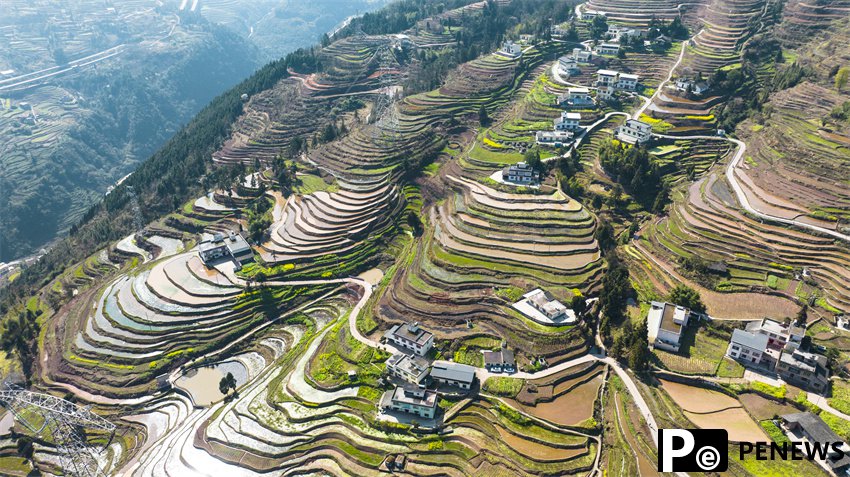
(453, 372)
(756, 341)
(818, 431)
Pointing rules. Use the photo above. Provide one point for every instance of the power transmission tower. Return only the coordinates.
(386, 131)
(63, 422)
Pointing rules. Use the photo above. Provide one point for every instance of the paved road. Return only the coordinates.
(820, 401)
(636, 395)
(664, 83)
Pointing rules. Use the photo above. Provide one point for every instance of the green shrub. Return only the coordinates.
(775, 433)
(503, 386)
(512, 415)
(777, 392)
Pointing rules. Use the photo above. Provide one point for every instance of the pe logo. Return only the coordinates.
(693, 450)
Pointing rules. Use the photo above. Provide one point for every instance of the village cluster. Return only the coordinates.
(766, 346)
(419, 380)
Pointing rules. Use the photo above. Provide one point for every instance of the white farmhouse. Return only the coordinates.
(537, 305)
(410, 399)
(665, 324)
(568, 122)
(610, 49)
(511, 49)
(626, 81)
(606, 78)
(553, 138)
(412, 337)
(568, 65)
(634, 132)
(520, 173)
(576, 97)
(582, 56)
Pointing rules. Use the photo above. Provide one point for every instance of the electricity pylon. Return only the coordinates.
(63, 422)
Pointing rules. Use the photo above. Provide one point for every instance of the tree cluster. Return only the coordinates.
(686, 296)
(675, 29)
(633, 168)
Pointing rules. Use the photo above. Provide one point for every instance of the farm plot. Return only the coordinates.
(567, 398)
(317, 229)
(706, 226)
(117, 339)
(797, 165)
(484, 240)
(712, 409)
(272, 427)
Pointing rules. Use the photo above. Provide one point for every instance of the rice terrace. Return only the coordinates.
(455, 237)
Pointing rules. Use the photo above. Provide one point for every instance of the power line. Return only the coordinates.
(64, 423)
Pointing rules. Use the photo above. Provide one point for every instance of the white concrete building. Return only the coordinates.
(553, 138)
(568, 65)
(606, 78)
(634, 132)
(412, 369)
(778, 334)
(627, 82)
(697, 88)
(412, 337)
(576, 97)
(540, 308)
(234, 246)
(582, 56)
(591, 14)
(511, 49)
(749, 348)
(605, 92)
(616, 32)
(520, 173)
(410, 399)
(665, 324)
(568, 122)
(609, 49)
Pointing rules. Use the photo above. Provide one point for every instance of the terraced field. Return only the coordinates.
(639, 12)
(273, 427)
(708, 226)
(410, 194)
(796, 168)
(339, 224)
(727, 24)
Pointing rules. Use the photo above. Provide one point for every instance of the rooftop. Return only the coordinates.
(607, 73)
(409, 364)
(409, 395)
(237, 244)
(578, 90)
(628, 76)
(775, 327)
(453, 372)
(750, 340)
(576, 116)
(503, 356)
(669, 314)
(410, 332)
(634, 123)
(818, 431)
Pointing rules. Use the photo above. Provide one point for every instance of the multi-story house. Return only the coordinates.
(412, 337)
